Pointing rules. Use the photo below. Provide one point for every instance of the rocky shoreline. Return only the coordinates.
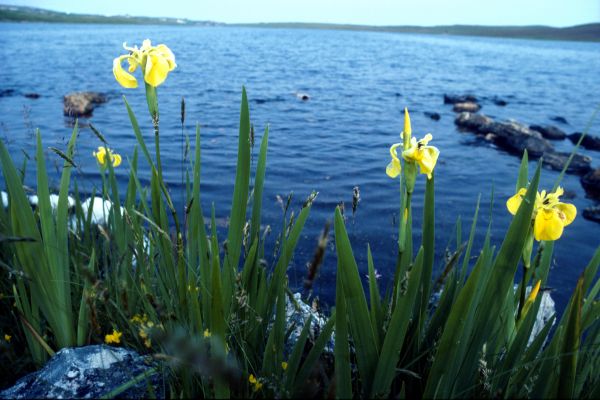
(516, 137)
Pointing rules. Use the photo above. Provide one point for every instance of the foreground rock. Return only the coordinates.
(297, 313)
(589, 142)
(453, 99)
(592, 213)
(549, 132)
(467, 106)
(82, 104)
(580, 164)
(591, 183)
(87, 372)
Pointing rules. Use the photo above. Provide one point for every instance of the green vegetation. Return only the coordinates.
(213, 314)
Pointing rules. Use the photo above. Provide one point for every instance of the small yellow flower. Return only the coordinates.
(155, 61)
(101, 156)
(114, 337)
(207, 334)
(425, 156)
(531, 298)
(7, 337)
(550, 216)
(284, 365)
(255, 382)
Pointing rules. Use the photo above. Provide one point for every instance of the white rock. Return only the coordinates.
(100, 209)
(54, 201)
(33, 200)
(4, 199)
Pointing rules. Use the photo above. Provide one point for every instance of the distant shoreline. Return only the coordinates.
(585, 33)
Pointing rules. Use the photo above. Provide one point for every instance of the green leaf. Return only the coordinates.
(237, 218)
(570, 346)
(341, 349)
(358, 312)
(394, 338)
(258, 186)
(375, 300)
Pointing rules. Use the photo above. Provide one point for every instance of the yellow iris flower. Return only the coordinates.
(550, 216)
(155, 61)
(425, 156)
(114, 337)
(105, 153)
(414, 151)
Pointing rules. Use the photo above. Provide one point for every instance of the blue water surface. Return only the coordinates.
(358, 82)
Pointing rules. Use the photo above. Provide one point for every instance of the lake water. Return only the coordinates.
(358, 82)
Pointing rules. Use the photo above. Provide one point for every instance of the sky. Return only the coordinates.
(557, 13)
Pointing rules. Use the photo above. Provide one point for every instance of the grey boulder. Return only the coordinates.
(589, 142)
(82, 104)
(86, 373)
(591, 183)
(549, 132)
(579, 165)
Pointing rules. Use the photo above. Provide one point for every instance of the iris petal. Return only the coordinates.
(124, 78)
(393, 168)
(566, 212)
(547, 225)
(157, 69)
(514, 202)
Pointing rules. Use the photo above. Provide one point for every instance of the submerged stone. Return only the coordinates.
(549, 132)
(592, 213)
(589, 142)
(82, 104)
(579, 165)
(467, 106)
(89, 372)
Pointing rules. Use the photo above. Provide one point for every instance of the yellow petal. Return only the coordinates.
(411, 154)
(407, 128)
(168, 55)
(426, 139)
(146, 45)
(514, 202)
(157, 69)
(429, 159)
(393, 169)
(133, 64)
(116, 159)
(566, 212)
(125, 79)
(547, 225)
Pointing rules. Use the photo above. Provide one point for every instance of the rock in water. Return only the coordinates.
(477, 123)
(579, 165)
(453, 99)
(549, 132)
(589, 142)
(591, 183)
(81, 104)
(516, 137)
(467, 106)
(88, 372)
(433, 115)
(560, 119)
(592, 213)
